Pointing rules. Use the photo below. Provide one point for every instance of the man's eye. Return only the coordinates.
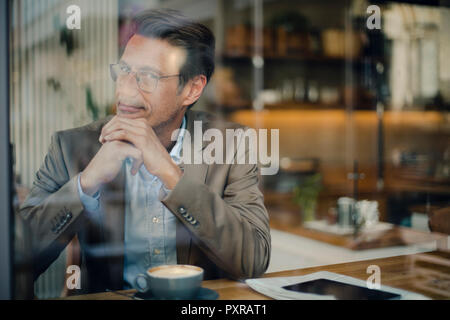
(148, 75)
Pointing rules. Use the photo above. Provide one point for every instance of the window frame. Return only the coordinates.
(6, 213)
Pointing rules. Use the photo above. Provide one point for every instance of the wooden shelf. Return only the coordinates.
(306, 57)
(307, 106)
(292, 105)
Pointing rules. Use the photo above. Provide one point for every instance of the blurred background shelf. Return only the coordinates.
(306, 58)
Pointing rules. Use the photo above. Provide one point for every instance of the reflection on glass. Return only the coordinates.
(60, 80)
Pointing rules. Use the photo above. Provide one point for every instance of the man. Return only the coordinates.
(119, 185)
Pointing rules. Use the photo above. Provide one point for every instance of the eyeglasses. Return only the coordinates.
(146, 81)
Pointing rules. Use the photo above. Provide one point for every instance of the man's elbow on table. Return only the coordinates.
(260, 257)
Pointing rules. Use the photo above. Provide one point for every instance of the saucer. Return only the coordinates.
(203, 294)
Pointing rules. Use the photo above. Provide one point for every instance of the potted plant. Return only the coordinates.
(306, 194)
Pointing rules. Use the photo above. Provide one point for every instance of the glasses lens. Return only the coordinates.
(118, 71)
(146, 81)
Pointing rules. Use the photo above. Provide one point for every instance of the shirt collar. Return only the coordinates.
(176, 150)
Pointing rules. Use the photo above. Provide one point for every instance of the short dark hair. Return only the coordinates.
(180, 31)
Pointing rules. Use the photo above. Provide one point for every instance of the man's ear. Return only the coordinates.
(193, 90)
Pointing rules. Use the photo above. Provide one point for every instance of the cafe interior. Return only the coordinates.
(358, 92)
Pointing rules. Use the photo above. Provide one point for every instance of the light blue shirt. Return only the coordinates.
(150, 228)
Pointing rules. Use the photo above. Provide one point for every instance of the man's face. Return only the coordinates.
(165, 102)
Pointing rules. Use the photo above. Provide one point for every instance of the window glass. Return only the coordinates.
(354, 98)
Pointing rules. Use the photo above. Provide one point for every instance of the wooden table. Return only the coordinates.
(425, 273)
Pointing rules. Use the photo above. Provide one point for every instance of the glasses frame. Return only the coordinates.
(136, 77)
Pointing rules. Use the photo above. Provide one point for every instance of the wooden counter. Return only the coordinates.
(290, 221)
(397, 236)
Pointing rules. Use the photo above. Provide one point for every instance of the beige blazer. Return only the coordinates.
(222, 223)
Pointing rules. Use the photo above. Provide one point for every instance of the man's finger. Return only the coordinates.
(136, 154)
(105, 127)
(137, 163)
(119, 135)
(139, 122)
(110, 123)
(135, 123)
(118, 126)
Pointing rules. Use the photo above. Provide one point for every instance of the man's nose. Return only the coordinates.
(129, 85)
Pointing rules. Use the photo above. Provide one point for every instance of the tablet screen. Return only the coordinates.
(342, 291)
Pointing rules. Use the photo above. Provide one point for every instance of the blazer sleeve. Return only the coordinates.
(52, 209)
(231, 229)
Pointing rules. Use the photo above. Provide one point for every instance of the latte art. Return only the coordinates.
(174, 272)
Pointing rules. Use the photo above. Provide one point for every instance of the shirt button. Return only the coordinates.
(156, 251)
(155, 220)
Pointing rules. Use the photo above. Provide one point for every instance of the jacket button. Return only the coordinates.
(182, 210)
